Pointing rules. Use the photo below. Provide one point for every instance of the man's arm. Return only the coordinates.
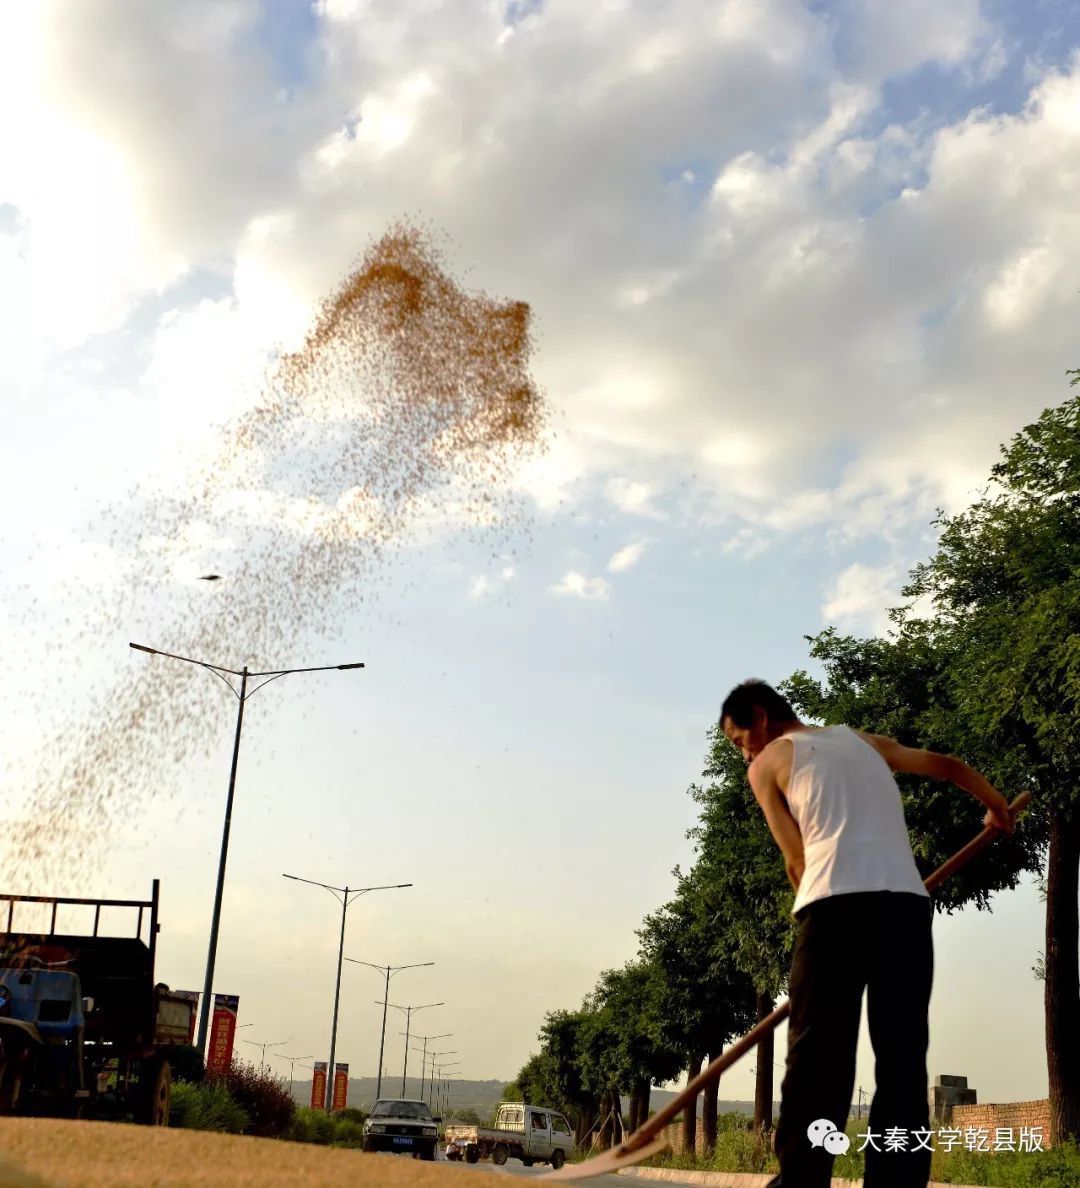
(782, 824)
(945, 767)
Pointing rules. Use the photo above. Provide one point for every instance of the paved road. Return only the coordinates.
(516, 1169)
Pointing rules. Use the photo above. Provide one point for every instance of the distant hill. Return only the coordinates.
(483, 1096)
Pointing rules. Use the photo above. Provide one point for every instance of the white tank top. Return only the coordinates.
(846, 803)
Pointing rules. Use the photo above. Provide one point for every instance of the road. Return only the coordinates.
(516, 1169)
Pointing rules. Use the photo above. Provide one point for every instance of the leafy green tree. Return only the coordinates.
(748, 898)
(561, 1039)
(630, 1003)
(994, 677)
(1005, 581)
(708, 1001)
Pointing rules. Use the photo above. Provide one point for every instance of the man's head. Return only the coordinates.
(753, 714)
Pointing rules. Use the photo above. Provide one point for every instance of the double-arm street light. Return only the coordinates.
(346, 895)
(434, 1058)
(389, 970)
(442, 1091)
(263, 1047)
(409, 1012)
(423, 1065)
(293, 1062)
(241, 696)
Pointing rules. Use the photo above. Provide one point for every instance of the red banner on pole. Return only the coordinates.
(193, 997)
(341, 1086)
(318, 1086)
(222, 1033)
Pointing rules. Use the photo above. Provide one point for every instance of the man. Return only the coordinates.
(834, 809)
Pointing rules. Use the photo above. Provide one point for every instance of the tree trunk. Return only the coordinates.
(617, 1129)
(586, 1121)
(639, 1104)
(606, 1127)
(708, 1110)
(689, 1121)
(1062, 990)
(763, 1085)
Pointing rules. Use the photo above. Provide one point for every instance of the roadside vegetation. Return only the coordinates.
(249, 1100)
(740, 1149)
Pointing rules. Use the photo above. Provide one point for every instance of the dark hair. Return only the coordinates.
(741, 702)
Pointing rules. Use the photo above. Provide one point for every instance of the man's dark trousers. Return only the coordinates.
(878, 941)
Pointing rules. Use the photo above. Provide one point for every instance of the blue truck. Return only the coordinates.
(85, 1031)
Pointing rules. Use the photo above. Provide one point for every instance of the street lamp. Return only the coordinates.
(443, 1084)
(423, 1066)
(242, 696)
(256, 1044)
(409, 1011)
(390, 969)
(345, 893)
(293, 1062)
(434, 1057)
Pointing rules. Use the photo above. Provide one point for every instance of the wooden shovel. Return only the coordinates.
(645, 1141)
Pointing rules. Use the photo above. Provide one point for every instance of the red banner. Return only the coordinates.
(318, 1086)
(341, 1086)
(222, 1033)
(193, 997)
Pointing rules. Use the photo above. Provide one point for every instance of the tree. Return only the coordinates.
(993, 676)
(1006, 582)
(561, 1047)
(707, 1001)
(628, 1013)
(747, 894)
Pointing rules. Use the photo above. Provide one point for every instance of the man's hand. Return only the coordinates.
(998, 817)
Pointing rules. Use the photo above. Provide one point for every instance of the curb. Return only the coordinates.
(736, 1179)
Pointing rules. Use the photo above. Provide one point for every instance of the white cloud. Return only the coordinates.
(479, 588)
(802, 306)
(634, 497)
(576, 585)
(627, 557)
(860, 597)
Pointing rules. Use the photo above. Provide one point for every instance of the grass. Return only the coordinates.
(740, 1150)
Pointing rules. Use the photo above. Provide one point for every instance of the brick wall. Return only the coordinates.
(673, 1135)
(1013, 1114)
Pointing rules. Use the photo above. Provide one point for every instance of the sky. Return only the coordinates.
(797, 270)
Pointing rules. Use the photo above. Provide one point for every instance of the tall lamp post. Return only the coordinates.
(441, 1093)
(434, 1057)
(241, 696)
(263, 1047)
(347, 895)
(389, 970)
(293, 1062)
(409, 1012)
(423, 1063)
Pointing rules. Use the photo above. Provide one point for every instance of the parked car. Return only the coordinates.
(402, 1126)
(533, 1134)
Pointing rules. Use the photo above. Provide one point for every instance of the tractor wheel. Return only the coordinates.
(558, 1158)
(155, 1093)
(500, 1154)
(472, 1154)
(527, 1160)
